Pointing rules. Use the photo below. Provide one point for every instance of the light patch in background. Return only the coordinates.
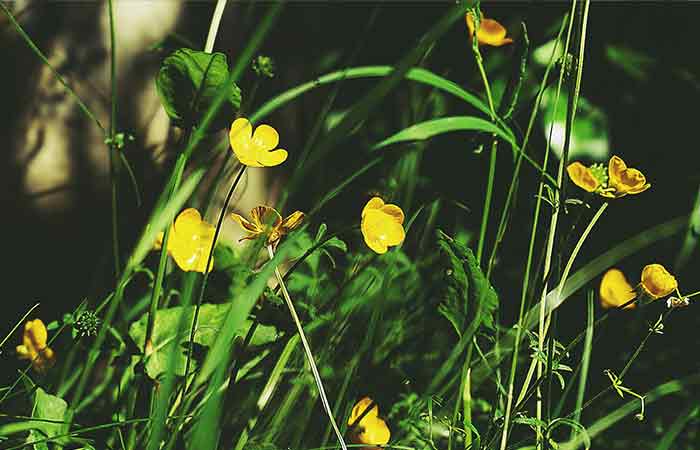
(589, 137)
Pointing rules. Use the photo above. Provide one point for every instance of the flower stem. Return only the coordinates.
(214, 25)
(210, 257)
(307, 350)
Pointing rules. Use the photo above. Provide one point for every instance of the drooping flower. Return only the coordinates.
(490, 32)
(615, 290)
(615, 182)
(34, 347)
(266, 221)
(367, 427)
(190, 241)
(382, 225)
(256, 149)
(657, 282)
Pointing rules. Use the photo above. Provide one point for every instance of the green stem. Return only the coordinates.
(487, 201)
(112, 147)
(308, 352)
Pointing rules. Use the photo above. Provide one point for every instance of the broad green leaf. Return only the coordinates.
(188, 82)
(430, 128)
(52, 410)
(211, 319)
(466, 286)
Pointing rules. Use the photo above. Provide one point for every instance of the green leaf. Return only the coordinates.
(211, 319)
(187, 84)
(466, 285)
(430, 128)
(51, 410)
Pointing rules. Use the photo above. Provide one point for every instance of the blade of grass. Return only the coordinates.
(585, 360)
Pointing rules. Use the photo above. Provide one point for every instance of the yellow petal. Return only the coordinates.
(158, 244)
(247, 226)
(615, 168)
(615, 290)
(271, 159)
(373, 431)
(22, 352)
(490, 31)
(394, 212)
(292, 221)
(582, 177)
(265, 138)
(373, 203)
(35, 334)
(657, 281)
(265, 216)
(359, 409)
(240, 138)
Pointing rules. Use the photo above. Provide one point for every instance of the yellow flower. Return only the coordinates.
(371, 429)
(267, 221)
(189, 242)
(582, 177)
(382, 225)
(34, 346)
(256, 149)
(657, 282)
(490, 32)
(616, 182)
(623, 180)
(615, 290)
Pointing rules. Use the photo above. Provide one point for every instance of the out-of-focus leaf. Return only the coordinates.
(211, 319)
(589, 137)
(634, 63)
(187, 84)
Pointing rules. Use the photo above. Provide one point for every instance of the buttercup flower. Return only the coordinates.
(371, 429)
(382, 225)
(189, 242)
(255, 149)
(34, 346)
(266, 221)
(615, 182)
(615, 290)
(490, 32)
(657, 282)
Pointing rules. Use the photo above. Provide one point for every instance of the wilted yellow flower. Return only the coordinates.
(582, 177)
(266, 221)
(371, 429)
(382, 225)
(189, 242)
(623, 180)
(615, 290)
(616, 182)
(490, 32)
(657, 282)
(256, 149)
(34, 346)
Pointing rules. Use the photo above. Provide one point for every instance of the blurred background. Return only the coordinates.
(640, 93)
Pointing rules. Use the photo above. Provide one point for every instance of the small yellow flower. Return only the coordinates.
(615, 290)
(490, 32)
(371, 429)
(616, 182)
(623, 180)
(657, 282)
(256, 149)
(189, 242)
(266, 221)
(34, 346)
(582, 177)
(382, 225)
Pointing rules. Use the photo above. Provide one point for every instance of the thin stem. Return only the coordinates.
(307, 350)
(112, 147)
(487, 201)
(528, 266)
(219, 223)
(17, 325)
(214, 25)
